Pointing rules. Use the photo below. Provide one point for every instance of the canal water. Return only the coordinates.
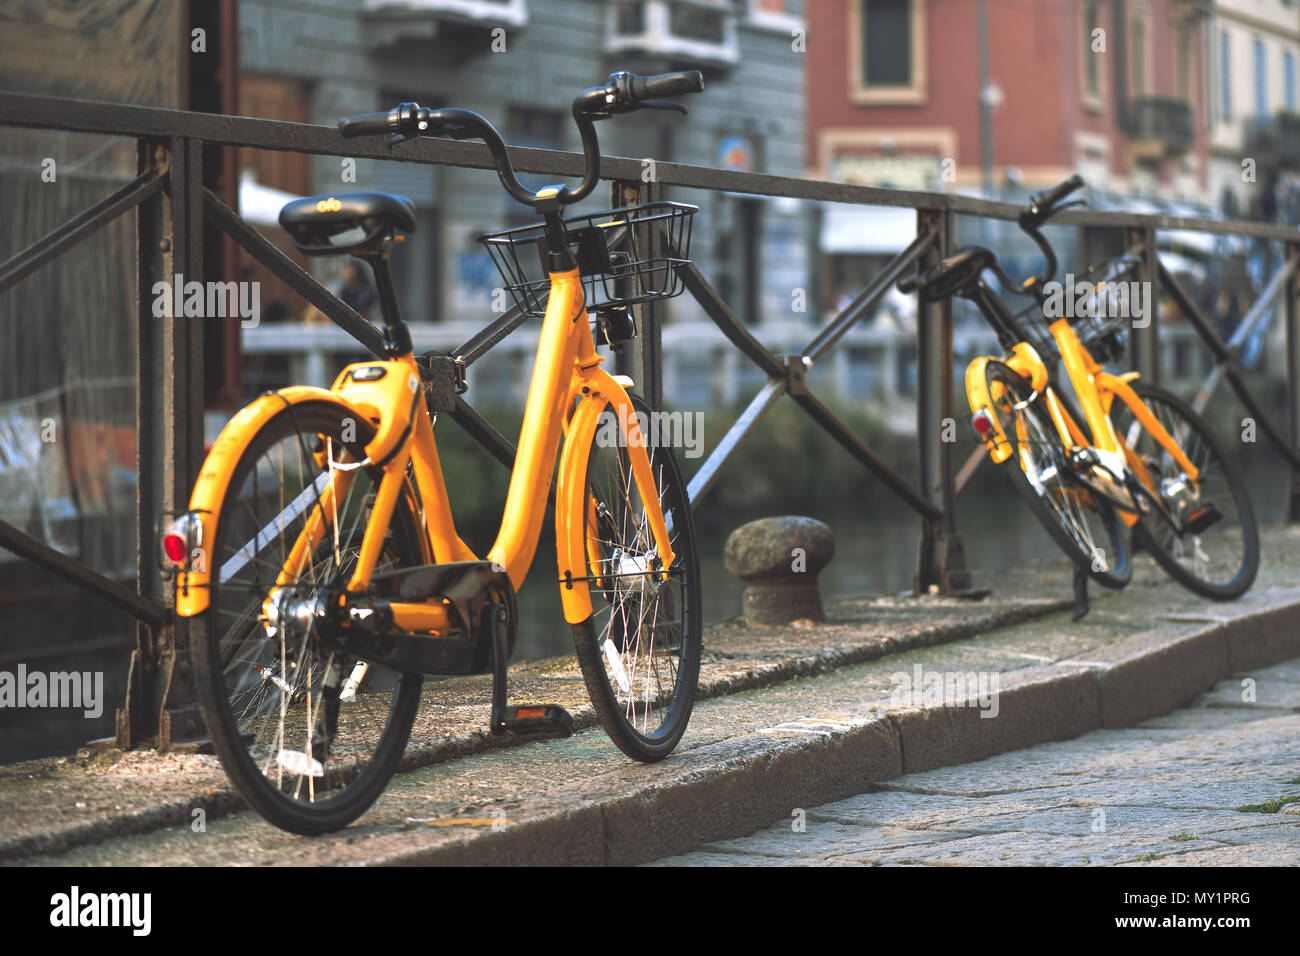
(876, 539)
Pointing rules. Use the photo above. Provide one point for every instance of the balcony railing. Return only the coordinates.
(1274, 139)
(696, 31)
(1159, 126)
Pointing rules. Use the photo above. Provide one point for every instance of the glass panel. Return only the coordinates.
(887, 42)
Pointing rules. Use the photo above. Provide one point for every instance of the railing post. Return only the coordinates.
(1145, 337)
(169, 433)
(1291, 297)
(641, 357)
(941, 562)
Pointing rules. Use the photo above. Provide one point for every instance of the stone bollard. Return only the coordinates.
(779, 560)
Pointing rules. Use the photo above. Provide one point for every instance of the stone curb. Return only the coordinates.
(734, 787)
(218, 802)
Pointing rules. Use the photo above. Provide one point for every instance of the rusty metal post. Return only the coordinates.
(169, 432)
(942, 561)
(642, 357)
(1145, 338)
(1291, 298)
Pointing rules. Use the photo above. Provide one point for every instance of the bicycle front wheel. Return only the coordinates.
(307, 736)
(640, 650)
(1215, 551)
(1083, 525)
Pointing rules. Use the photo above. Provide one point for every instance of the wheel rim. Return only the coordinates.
(1039, 456)
(640, 622)
(287, 694)
(1217, 555)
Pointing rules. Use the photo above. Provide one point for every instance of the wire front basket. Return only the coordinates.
(625, 255)
(1099, 305)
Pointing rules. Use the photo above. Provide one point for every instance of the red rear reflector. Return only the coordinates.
(174, 546)
(983, 422)
(524, 712)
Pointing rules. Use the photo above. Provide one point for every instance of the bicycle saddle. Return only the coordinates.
(336, 224)
(950, 275)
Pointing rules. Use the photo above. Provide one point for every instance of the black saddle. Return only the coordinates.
(337, 224)
(951, 275)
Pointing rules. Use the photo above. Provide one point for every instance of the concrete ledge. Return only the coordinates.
(709, 793)
(1035, 706)
(734, 787)
(1056, 681)
(1160, 670)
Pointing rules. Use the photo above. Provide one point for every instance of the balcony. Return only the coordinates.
(686, 32)
(1273, 140)
(1159, 126)
(391, 22)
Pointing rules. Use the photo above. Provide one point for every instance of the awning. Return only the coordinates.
(1197, 243)
(867, 229)
(258, 204)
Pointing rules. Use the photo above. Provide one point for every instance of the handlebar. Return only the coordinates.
(1041, 207)
(666, 84)
(1041, 204)
(367, 124)
(623, 93)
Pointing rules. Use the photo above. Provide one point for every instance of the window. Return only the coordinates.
(703, 31)
(887, 51)
(886, 43)
(1091, 60)
(1225, 76)
(1139, 60)
(1288, 80)
(1184, 62)
(1261, 79)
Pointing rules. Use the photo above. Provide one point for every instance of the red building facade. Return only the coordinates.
(1113, 89)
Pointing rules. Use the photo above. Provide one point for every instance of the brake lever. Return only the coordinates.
(663, 105)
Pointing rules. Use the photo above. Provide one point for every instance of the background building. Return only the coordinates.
(519, 63)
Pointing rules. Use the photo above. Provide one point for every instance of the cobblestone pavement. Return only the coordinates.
(1208, 785)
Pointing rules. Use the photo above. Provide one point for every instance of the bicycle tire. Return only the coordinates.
(1083, 525)
(1167, 546)
(230, 637)
(616, 638)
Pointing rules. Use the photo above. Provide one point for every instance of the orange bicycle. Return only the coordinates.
(1122, 454)
(318, 561)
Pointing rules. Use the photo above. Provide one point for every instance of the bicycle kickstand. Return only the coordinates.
(1080, 593)
(533, 721)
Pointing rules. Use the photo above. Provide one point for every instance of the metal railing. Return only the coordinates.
(171, 204)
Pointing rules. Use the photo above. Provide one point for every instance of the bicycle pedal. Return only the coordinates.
(537, 721)
(1201, 518)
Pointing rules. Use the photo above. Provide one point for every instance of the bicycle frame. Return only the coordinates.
(567, 394)
(1097, 390)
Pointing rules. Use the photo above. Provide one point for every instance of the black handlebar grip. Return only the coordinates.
(667, 84)
(1050, 197)
(367, 124)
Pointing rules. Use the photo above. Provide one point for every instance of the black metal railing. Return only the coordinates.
(171, 205)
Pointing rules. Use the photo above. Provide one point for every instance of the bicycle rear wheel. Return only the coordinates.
(1219, 560)
(307, 749)
(1083, 525)
(640, 650)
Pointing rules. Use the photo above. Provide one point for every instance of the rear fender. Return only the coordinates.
(192, 586)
